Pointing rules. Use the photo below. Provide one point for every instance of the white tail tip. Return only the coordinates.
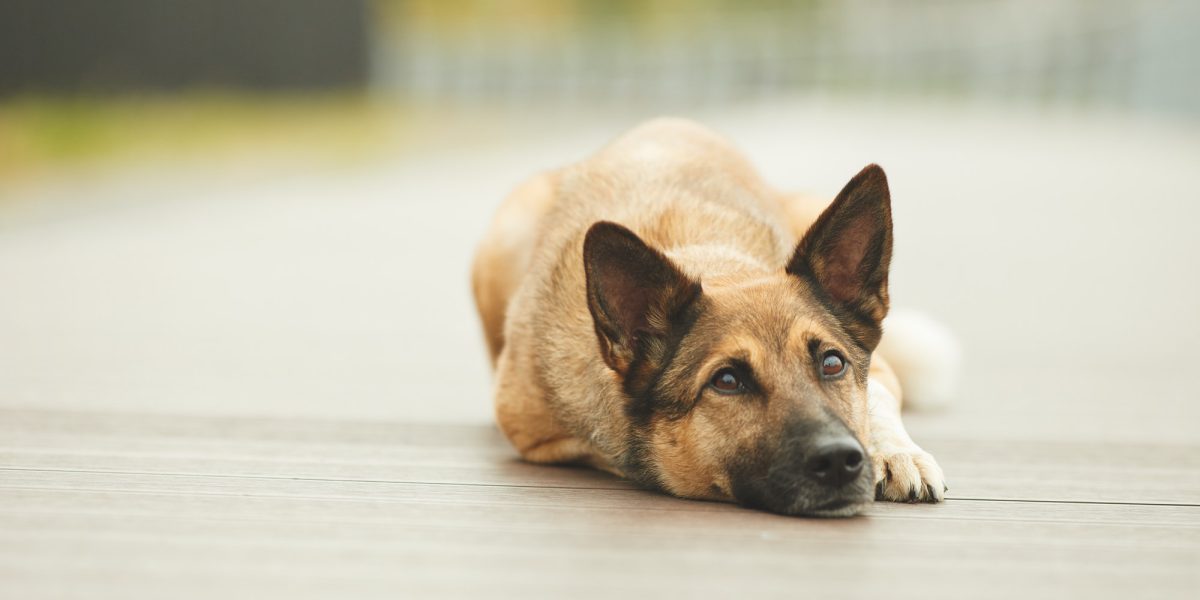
(926, 356)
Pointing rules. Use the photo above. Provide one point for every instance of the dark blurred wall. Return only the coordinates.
(153, 45)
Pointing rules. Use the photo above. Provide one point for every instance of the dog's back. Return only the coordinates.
(671, 181)
(674, 183)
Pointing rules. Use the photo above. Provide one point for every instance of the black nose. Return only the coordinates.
(836, 462)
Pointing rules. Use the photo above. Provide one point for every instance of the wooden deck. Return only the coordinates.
(219, 396)
(103, 506)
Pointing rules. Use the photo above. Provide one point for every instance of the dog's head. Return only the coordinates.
(751, 388)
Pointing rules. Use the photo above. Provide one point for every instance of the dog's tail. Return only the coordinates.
(925, 356)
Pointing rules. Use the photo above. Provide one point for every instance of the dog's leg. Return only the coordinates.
(502, 259)
(903, 471)
(568, 450)
(527, 420)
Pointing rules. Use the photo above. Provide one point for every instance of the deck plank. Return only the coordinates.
(1040, 470)
(136, 505)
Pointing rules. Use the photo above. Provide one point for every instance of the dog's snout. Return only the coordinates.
(836, 462)
(822, 469)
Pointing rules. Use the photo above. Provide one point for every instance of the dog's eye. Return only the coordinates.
(832, 365)
(726, 381)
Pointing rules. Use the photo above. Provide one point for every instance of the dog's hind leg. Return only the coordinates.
(903, 471)
(527, 420)
(539, 438)
(503, 256)
(501, 262)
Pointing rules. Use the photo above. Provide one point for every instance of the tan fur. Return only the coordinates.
(674, 183)
(504, 255)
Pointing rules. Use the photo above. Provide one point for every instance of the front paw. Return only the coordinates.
(907, 474)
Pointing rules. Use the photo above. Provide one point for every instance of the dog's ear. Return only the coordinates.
(846, 254)
(634, 293)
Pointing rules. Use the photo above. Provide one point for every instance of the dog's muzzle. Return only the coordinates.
(819, 471)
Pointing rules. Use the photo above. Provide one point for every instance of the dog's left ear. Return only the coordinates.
(634, 293)
(846, 254)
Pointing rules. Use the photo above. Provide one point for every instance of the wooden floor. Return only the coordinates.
(103, 506)
(248, 384)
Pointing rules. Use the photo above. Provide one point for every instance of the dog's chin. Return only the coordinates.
(837, 509)
(845, 505)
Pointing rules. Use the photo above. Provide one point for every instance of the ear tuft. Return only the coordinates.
(634, 291)
(847, 251)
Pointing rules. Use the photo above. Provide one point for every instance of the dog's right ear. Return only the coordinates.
(634, 293)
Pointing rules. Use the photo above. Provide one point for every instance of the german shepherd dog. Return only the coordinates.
(659, 312)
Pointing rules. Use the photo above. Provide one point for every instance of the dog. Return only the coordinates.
(658, 312)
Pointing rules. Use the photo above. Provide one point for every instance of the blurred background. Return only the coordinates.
(268, 207)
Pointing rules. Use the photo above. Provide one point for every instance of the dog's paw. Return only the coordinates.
(907, 474)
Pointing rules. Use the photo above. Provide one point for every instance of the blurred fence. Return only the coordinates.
(1137, 55)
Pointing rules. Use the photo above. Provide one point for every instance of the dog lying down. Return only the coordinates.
(659, 312)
